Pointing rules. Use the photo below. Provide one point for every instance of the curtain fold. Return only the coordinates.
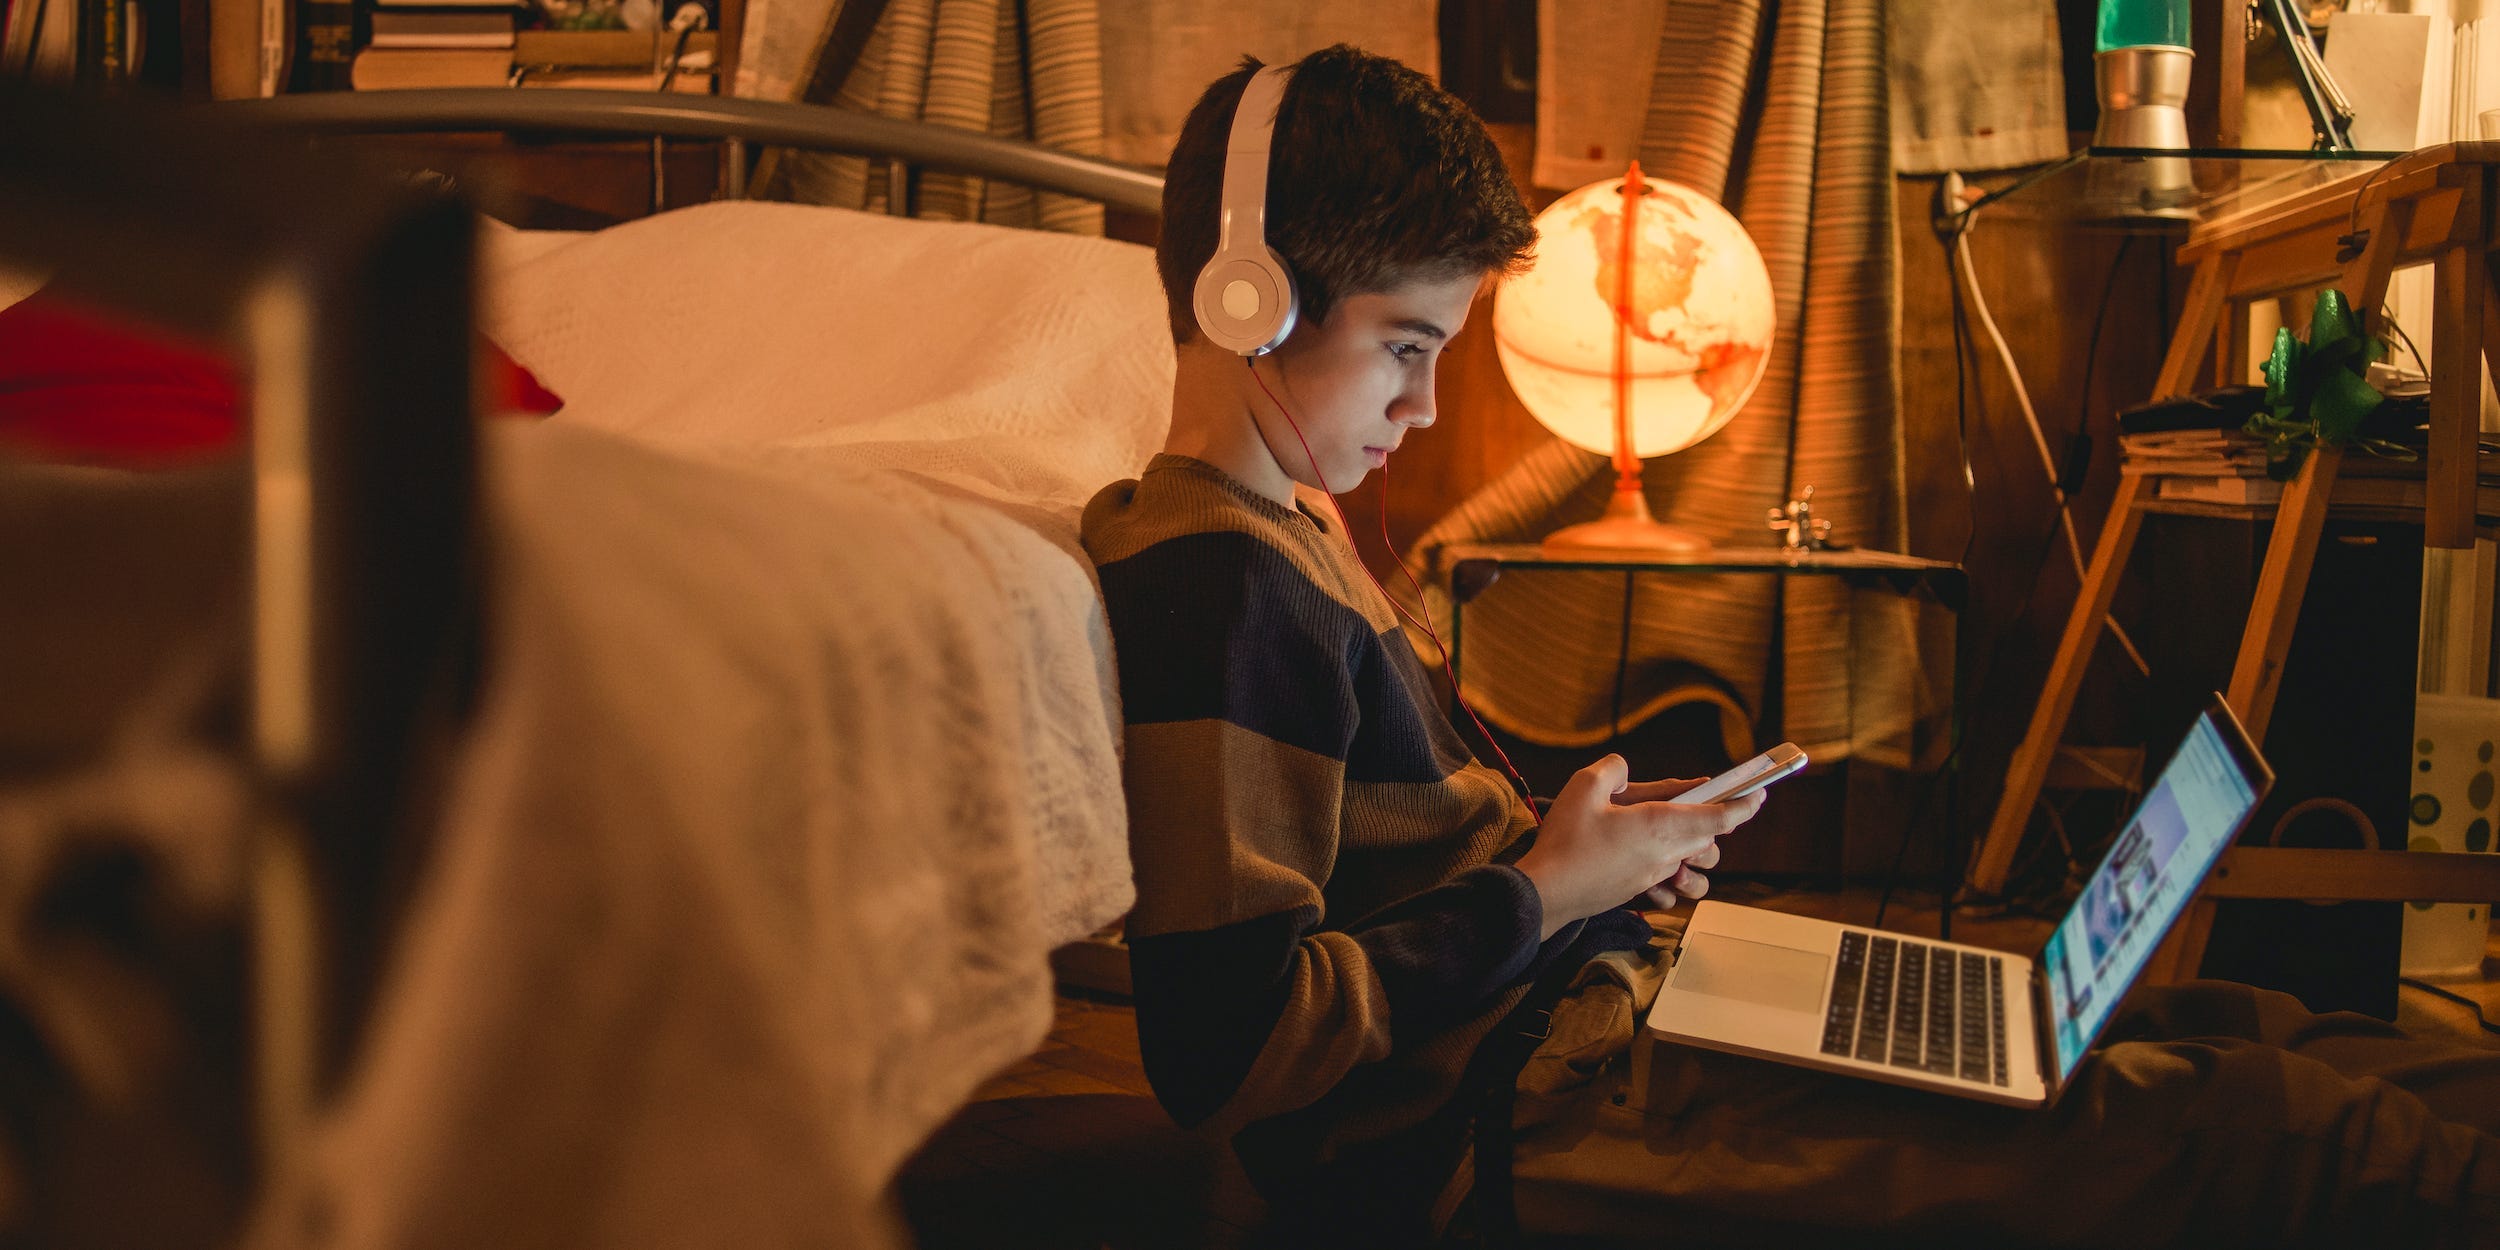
(1015, 69)
(1779, 108)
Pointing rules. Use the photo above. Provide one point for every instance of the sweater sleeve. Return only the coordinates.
(1238, 681)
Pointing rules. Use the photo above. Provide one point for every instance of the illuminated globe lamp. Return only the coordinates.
(1635, 343)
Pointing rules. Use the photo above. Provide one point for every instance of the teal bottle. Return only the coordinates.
(2142, 23)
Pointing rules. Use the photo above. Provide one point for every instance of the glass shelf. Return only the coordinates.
(2164, 189)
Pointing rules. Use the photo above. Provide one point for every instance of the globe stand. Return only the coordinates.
(1626, 528)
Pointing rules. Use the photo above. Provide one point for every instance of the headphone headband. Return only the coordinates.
(1244, 298)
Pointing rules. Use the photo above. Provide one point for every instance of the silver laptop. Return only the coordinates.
(1962, 1019)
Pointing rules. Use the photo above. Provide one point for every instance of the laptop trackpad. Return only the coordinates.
(1754, 972)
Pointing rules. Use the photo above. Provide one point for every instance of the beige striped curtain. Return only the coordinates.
(1016, 69)
(1805, 164)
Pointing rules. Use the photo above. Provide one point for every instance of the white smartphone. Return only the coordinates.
(1747, 777)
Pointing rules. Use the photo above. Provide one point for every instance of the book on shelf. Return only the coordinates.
(324, 52)
(2408, 493)
(441, 28)
(2195, 453)
(400, 69)
(536, 59)
(620, 50)
(2236, 491)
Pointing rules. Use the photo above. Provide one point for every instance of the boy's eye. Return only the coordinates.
(1405, 351)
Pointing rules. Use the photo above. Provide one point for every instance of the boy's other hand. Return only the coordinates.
(1607, 839)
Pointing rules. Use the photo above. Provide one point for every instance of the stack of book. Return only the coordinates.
(2228, 467)
(2208, 466)
(437, 43)
(439, 52)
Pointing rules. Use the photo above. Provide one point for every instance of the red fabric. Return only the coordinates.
(78, 386)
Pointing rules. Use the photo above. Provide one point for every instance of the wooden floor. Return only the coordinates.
(1068, 1149)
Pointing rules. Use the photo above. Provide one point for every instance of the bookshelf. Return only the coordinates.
(219, 49)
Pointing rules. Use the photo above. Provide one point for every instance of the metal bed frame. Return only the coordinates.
(639, 114)
(364, 585)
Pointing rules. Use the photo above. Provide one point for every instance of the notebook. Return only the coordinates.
(1960, 1019)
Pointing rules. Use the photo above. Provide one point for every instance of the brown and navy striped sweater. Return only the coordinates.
(1327, 923)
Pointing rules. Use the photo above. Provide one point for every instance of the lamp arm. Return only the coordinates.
(2330, 110)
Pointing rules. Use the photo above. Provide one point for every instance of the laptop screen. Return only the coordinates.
(2147, 879)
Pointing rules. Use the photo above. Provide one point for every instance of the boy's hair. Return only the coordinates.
(1376, 176)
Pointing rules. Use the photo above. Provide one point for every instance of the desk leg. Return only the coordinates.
(2258, 673)
(2457, 329)
(2030, 766)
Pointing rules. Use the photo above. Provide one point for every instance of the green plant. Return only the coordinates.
(2317, 392)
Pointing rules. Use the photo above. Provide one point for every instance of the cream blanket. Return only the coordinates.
(799, 752)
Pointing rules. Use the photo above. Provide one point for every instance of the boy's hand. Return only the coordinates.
(1606, 840)
(1687, 881)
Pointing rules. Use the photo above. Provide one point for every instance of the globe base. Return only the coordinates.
(1626, 529)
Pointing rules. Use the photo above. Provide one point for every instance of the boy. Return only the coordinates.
(1326, 925)
(1337, 904)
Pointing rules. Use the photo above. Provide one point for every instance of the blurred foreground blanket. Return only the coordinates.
(754, 862)
(800, 752)
(796, 752)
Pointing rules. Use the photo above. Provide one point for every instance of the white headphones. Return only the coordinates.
(1244, 297)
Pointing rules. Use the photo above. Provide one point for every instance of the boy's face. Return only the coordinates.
(1359, 382)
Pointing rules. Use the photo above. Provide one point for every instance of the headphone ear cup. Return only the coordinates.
(1245, 301)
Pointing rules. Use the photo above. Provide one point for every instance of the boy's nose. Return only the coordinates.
(1414, 408)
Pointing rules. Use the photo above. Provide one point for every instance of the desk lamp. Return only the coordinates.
(1635, 343)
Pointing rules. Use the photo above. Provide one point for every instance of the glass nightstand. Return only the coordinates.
(2153, 189)
(1900, 614)
(1473, 569)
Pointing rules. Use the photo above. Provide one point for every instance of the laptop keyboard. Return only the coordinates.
(1910, 1005)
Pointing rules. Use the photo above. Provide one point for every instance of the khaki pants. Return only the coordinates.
(2214, 1115)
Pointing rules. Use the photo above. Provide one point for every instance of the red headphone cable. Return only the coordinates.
(1424, 624)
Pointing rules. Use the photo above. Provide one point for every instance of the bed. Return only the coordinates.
(787, 749)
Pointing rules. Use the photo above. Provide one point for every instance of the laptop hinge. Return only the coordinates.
(2044, 1029)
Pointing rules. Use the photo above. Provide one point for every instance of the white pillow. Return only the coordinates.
(1028, 367)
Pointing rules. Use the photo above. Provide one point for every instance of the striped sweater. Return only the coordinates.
(1327, 923)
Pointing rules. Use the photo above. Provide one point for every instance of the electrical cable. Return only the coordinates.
(1988, 654)
(1959, 225)
(2416, 352)
(2461, 1000)
(2350, 244)
(1425, 624)
(2039, 438)
(687, 20)
(2039, 557)
(1961, 407)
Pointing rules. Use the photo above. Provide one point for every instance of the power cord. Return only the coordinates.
(1950, 230)
(1965, 270)
(1953, 229)
(2481, 1020)
(2354, 240)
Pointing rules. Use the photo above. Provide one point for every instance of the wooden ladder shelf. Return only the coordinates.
(2434, 206)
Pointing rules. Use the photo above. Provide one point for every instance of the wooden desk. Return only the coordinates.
(2436, 207)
